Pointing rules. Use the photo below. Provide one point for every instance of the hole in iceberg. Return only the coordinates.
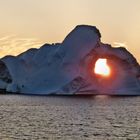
(102, 68)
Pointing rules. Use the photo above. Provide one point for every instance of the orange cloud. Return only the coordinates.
(13, 45)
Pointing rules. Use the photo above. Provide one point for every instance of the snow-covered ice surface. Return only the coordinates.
(69, 118)
(67, 67)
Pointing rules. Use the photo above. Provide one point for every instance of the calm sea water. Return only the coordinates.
(69, 117)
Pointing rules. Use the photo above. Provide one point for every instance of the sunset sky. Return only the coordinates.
(31, 23)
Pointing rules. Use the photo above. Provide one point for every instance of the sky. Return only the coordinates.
(31, 23)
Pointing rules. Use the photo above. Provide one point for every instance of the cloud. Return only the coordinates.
(120, 44)
(13, 45)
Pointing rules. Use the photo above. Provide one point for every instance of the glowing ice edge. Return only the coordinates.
(62, 68)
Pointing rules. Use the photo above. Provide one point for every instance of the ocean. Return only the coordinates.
(27, 117)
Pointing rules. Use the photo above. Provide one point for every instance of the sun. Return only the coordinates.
(101, 67)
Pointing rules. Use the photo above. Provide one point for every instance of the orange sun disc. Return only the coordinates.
(101, 67)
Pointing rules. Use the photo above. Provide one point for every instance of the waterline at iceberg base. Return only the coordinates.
(68, 67)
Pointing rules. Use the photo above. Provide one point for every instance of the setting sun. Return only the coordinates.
(101, 67)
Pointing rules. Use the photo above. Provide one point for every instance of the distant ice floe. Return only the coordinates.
(67, 67)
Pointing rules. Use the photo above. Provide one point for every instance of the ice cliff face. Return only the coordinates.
(67, 68)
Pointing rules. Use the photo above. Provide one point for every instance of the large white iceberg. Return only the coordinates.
(67, 68)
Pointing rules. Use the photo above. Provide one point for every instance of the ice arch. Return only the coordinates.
(65, 68)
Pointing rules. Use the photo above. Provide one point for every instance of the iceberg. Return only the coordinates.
(67, 68)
